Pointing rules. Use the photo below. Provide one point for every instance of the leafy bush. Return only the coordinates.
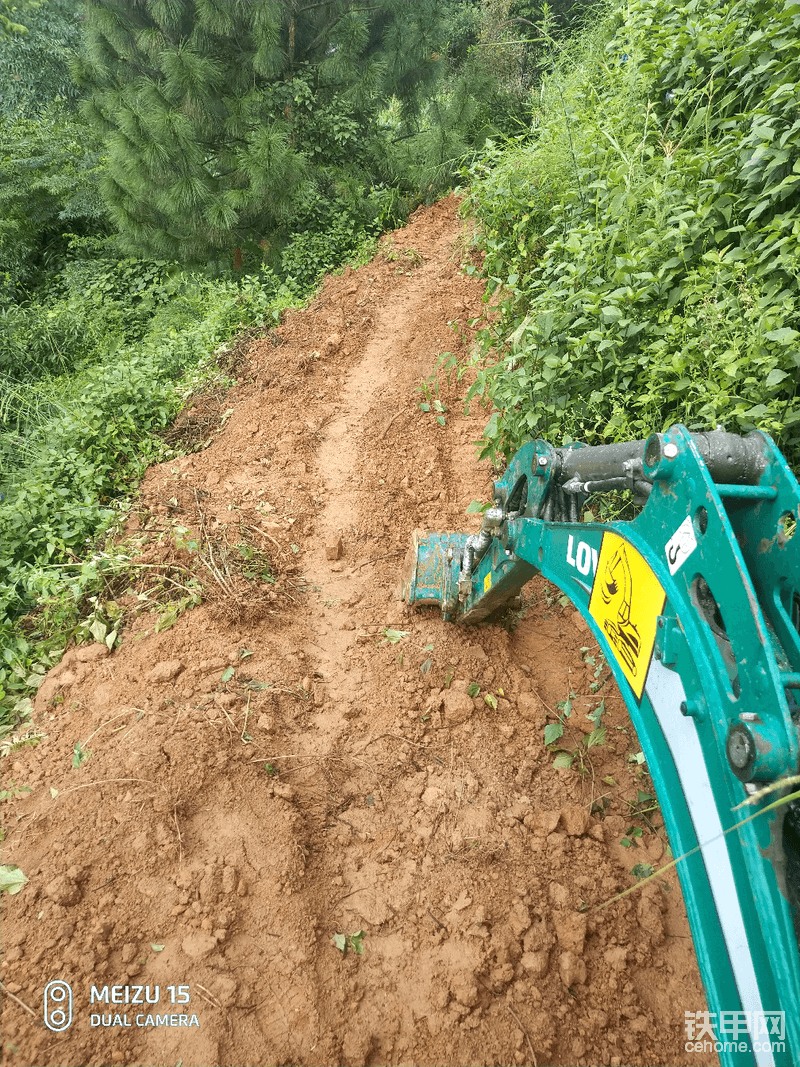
(310, 255)
(644, 240)
(86, 437)
(49, 171)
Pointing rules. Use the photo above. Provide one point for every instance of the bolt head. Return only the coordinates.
(542, 461)
(740, 748)
(670, 450)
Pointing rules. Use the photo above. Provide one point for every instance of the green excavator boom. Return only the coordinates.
(696, 605)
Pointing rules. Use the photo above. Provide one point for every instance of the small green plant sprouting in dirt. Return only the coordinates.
(598, 661)
(79, 755)
(256, 565)
(477, 507)
(427, 664)
(406, 258)
(429, 388)
(13, 791)
(271, 770)
(642, 870)
(449, 363)
(353, 941)
(643, 807)
(632, 835)
(553, 731)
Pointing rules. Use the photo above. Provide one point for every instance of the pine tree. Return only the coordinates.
(226, 120)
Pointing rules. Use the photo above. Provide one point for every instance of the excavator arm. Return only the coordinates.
(696, 605)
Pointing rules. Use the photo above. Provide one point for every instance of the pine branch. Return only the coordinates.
(312, 7)
(328, 29)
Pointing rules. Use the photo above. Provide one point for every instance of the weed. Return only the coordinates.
(476, 507)
(754, 798)
(391, 637)
(407, 258)
(14, 791)
(643, 807)
(353, 941)
(554, 731)
(450, 364)
(27, 736)
(598, 661)
(642, 870)
(632, 835)
(429, 389)
(79, 755)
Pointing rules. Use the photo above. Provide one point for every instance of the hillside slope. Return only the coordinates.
(267, 770)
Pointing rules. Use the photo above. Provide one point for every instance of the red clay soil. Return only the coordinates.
(268, 771)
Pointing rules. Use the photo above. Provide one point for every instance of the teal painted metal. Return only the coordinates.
(432, 570)
(696, 604)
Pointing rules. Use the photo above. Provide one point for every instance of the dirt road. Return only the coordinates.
(269, 771)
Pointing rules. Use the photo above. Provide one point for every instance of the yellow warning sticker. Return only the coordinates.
(626, 601)
(487, 582)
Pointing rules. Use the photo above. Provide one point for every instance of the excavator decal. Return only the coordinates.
(616, 590)
(626, 601)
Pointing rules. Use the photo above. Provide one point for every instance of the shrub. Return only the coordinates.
(643, 240)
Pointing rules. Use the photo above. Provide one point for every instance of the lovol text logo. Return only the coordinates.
(58, 1006)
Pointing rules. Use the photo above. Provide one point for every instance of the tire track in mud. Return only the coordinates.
(284, 774)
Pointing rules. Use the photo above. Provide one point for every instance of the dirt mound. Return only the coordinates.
(270, 769)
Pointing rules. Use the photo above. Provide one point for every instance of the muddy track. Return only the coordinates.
(268, 771)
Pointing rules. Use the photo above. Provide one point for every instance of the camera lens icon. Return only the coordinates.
(57, 1006)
